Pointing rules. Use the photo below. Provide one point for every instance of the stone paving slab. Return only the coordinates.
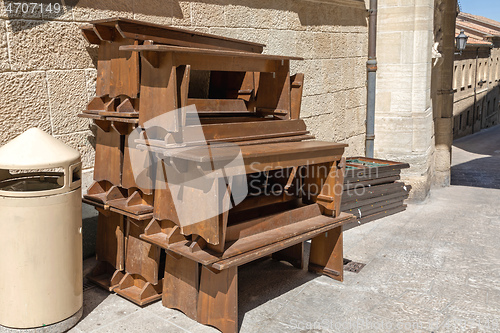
(433, 268)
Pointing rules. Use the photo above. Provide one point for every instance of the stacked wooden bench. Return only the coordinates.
(186, 105)
(372, 189)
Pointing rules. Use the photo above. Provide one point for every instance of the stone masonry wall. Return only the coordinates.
(47, 69)
(404, 129)
(467, 111)
(477, 92)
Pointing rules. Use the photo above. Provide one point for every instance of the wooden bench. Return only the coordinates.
(205, 287)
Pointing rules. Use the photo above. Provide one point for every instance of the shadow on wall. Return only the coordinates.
(309, 13)
(484, 113)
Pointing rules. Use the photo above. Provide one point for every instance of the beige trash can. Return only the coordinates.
(40, 234)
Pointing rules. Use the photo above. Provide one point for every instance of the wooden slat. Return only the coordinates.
(217, 62)
(164, 209)
(274, 90)
(119, 114)
(141, 217)
(228, 132)
(105, 33)
(326, 254)
(276, 240)
(215, 105)
(110, 239)
(158, 89)
(256, 202)
(254, 163)
(366, 210)
(371, 173)
(108, 157)
(206, 199)
(370, 192)
(123, 120)
(104, 68)
(391, 166)
(183, 79)
(400, 194)
(180, 285)
(133, 157)
(258, 157)
(169, 35)
(374, 217)
(91, 116)
(218, 299)
(267, 223)
(331, 191)
(283, 244)
(135, 204)
(236, 132)
(297, 86)
(136, 289)
(339, 185)
(207, 117)
(156, 145)
(371, 182)
(141, 257)
(242, 56)
(90, 35)
(124, 70)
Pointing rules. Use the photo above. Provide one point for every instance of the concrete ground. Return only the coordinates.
(432, 268)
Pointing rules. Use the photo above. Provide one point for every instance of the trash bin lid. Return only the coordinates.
(35, 149)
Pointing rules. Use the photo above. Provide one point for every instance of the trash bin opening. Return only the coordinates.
(75, 172)
(33, 182)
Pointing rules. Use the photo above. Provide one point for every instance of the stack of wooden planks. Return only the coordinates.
(372, 189)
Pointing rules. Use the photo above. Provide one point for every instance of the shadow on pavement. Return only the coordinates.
(92, 299)
(483, 172)
(485, 142)
(263, 280)
(93, 296)
(479, 155)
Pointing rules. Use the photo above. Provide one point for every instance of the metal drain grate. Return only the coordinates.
(352, 266)
(87, 285)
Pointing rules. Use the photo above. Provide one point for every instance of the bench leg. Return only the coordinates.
(327, 255)
(218, 299)
(180, 285)
(294, 255)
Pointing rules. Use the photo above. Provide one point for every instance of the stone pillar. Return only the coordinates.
(404, 128)
(442, 88)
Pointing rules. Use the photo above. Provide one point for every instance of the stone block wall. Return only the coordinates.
(47, 69)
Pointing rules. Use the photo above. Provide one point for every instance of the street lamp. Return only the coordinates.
(461, 41)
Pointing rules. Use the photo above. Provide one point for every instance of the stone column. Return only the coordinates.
(404, 128)
(442, 88)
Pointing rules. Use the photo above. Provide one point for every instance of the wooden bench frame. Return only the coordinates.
(209, 293)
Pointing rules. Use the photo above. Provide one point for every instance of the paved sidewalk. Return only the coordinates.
(432, 268)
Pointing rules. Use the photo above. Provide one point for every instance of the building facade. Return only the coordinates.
(476, 79)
